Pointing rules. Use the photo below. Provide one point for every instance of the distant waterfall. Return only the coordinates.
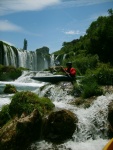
(52, 63)
(33, 60)
(9, 56)
(27, 59)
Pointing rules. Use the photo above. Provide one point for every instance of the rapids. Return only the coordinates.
(91, 133)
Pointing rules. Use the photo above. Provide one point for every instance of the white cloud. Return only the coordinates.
(68, 3)
(10, 6)
(8, 26)
(72, 32)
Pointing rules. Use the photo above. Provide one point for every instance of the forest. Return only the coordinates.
(92, 55)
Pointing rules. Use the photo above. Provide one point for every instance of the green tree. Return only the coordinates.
(100, 35)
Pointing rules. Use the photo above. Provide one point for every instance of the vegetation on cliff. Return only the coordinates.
(97, 41)
(92, 56)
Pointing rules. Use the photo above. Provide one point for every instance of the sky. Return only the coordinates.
(48, 22)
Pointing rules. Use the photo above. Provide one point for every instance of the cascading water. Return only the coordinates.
(9, 55)
(91, 132)
(27, 59)
(33, 60)
(52, 63)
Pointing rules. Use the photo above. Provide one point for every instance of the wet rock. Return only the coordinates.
(60, 126)
(9, 89)
(110, 119)
(110, 113)
(20, 132)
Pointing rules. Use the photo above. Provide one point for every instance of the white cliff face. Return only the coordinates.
(33, 60)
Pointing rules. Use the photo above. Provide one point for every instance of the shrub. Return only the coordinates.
(76, 90)
(86, 62)
(90, 87)
(10, 89)
(4, 115)
(9, 73)
(27, 101)
(104, 74)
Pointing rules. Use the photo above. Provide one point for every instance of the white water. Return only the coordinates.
(33, 60)
(91, 133)
(28, 59)
(9, 56)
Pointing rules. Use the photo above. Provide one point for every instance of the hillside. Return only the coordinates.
(93, 48)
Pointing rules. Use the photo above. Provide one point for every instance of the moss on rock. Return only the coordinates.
(28, 101)
(22, 122)
(10, 89)
(8, 73)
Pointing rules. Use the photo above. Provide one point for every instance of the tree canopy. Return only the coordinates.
(97, 41)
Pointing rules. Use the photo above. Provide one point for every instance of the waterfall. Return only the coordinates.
(9, 56)
(64, 56)
(33, 60)
(52, 63)
(30, 60)
(27, 59)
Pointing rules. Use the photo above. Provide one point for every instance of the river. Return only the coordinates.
(91, 133)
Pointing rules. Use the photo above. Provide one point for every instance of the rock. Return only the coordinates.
(110, 113)
(9, 89)
(110, 119)
(20, 132)
(60, 126)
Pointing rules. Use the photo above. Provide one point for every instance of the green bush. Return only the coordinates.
(90, 87)
(9, 73)
(104, 74)
(86, 62)
(10, 89)
(27, 101)
(4, 115)
(77, 89)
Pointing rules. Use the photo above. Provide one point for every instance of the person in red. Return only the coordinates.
(70, 70)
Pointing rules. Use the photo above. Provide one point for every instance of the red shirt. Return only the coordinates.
(71, 71)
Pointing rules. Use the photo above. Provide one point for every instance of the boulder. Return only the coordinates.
(9, 89)
(60, 126)
(110, 113)
(110, 119)
(20, 132)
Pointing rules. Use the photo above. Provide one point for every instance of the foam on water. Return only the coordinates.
(4, 100)
(91, 132)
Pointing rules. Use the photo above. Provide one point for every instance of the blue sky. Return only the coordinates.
(48, 22)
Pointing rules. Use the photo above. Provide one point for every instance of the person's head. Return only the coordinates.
(69, 64)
